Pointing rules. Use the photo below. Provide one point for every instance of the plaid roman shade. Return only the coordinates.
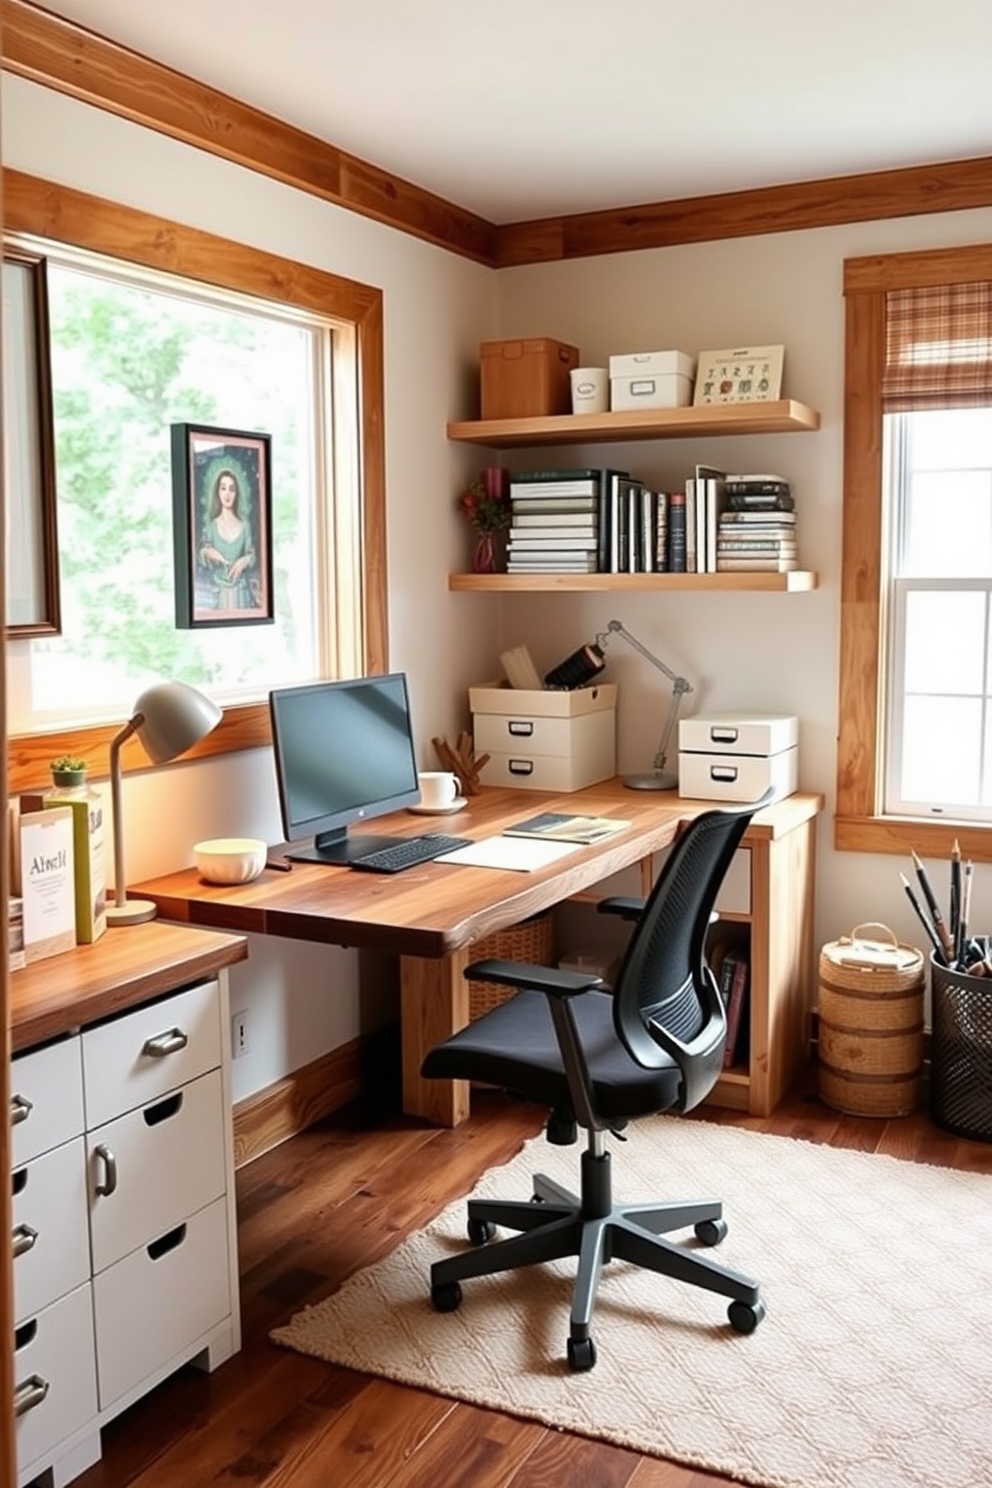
(938, 348)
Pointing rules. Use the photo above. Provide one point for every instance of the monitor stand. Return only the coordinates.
(339, 848)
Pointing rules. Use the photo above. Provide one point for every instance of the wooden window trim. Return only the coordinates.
(44, 209)
(859, 824)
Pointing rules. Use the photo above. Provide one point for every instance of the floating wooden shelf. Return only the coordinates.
(681, 583)
(782, 417)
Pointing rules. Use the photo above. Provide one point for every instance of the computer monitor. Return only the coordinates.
(344, 753)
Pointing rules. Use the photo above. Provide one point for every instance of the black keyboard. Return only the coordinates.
(408, 853)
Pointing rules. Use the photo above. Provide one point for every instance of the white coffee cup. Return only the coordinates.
(438, 788)
(590, 389)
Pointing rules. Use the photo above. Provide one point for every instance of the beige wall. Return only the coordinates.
(763, 651)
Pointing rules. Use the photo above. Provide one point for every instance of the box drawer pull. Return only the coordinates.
(23, 1240)
(18, 1181)
(103, 1155)
(165, 1043)
(723, 772)
(165, 1243)
(29, 1393)
(20, 1109)
(519, 729)
(724, 735)
(520, 767)
(164, 1109)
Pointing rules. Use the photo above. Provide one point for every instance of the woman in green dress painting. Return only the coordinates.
(228, 548)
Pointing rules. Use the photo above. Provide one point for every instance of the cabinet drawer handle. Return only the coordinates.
(20, 1109)
(165, 1243)
(103, 1154)
(520, 767)
(165, 1043)
(24, 1239)
(29, 1393)
(723, 772)
(164, 1110)
(520, 730)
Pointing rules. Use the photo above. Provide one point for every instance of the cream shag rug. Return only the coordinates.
(872, 1368)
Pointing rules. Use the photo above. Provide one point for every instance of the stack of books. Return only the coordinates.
(756, 531)
(554, 521)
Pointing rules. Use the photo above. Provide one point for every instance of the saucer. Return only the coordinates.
(458, 804)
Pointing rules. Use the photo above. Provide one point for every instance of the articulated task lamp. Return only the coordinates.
(584, 664)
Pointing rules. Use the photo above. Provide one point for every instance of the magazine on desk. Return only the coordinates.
(555, 826)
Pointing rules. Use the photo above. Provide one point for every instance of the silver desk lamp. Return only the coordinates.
(168, 718)
(584, 664)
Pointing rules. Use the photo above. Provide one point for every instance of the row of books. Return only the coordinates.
(607, 521)
(732, 968)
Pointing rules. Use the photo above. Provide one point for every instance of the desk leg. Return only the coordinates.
(434, 1001)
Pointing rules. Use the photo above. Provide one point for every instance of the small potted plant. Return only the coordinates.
(68, 770)
(486, 503)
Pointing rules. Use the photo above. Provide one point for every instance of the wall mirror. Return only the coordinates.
(32, 559)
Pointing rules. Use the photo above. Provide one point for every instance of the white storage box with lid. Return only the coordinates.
(545, 739)
(651, 379)
(737, 756)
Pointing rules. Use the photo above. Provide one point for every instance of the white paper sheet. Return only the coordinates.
(521, 853)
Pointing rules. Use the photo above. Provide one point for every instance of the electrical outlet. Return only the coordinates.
(239, 1034)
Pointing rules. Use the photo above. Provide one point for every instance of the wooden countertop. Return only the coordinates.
(129, 964)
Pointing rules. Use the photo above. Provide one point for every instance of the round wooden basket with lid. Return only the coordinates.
(871, 1023)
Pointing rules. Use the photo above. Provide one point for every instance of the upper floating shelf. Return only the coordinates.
(782, 417)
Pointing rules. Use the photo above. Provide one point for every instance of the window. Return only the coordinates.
(915, 739)
(354, 624)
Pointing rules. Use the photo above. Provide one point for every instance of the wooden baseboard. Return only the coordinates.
(366, 1065)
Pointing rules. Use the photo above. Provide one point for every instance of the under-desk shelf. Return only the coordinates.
(785, 416)
(799, 581)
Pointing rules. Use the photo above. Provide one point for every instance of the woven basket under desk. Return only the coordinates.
(532, 940)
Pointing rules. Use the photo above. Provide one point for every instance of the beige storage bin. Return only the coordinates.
(738, 756)
(526, 379)
(544, 739)
(871, 1024)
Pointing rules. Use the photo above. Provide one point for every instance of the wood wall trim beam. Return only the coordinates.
(64, 56)
(948, 187)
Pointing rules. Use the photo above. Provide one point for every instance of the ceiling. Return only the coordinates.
(516, 109)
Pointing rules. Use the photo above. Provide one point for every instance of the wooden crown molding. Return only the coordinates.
(62, 55)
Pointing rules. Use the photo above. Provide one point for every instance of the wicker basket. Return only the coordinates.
(871, 1024)
(532, 940)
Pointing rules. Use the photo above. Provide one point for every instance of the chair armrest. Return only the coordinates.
(626, 908)
(547, 979)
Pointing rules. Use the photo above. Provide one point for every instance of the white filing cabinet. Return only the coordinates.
(125, 1233)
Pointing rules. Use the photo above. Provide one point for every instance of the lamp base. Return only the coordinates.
(131, 912)
(655, 781)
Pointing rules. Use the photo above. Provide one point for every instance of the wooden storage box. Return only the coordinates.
(526, 379)
(545, 740)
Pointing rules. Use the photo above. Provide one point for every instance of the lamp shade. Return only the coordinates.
(171, 717)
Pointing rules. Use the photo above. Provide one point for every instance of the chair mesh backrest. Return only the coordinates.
(661, 976)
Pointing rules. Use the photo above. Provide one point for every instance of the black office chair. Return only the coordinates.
(598, 1059)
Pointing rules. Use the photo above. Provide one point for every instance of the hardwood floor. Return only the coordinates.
(343, 1194)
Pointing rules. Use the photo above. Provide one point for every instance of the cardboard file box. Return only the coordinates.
(651, 379)
(526, 379)
(736, 757)
(545, 740)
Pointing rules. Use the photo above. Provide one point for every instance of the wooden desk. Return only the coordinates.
(431, 915)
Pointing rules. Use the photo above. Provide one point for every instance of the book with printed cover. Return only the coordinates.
(555, 826)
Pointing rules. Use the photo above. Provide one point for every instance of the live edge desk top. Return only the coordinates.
(430, 915)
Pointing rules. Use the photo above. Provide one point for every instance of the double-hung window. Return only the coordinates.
(916, 643)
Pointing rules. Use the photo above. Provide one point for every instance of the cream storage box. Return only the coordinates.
(651, 379)
(737, 756)
(545, 740)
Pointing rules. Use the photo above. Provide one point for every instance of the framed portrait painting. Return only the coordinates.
(222, 526)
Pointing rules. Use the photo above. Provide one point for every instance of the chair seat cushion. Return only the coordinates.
(514, 1046)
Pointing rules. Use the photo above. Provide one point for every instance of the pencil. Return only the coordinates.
(935, 913)
(955, 904)
(965, 910)
(931, 932)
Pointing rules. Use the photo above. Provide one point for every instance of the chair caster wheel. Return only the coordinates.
(745, 1316)
(711, 1231)
(581, 1353)
(480, 1231)
(447, 1297)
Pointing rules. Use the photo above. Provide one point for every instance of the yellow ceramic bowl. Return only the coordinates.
(230, 860)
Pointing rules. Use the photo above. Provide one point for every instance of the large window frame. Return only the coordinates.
(39, 208)
(860, 825)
